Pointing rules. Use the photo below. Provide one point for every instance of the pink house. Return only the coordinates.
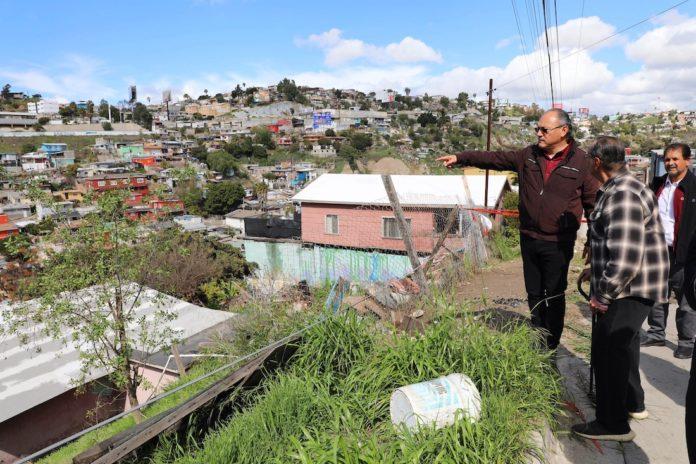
(353, 210)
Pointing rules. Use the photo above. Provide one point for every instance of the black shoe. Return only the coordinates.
(683, 352)
(652, 342)
(596, 431)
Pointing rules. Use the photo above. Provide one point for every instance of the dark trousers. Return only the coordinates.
(545, 265)
(691, 413)
(616, 358)
(686, 315)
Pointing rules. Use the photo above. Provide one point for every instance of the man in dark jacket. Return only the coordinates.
(555, 188)
(676, 193)
(689, 291)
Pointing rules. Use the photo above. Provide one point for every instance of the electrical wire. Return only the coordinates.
(558, 52)
(577, 60)
(524, 47)
(594, 44)
(548, 51)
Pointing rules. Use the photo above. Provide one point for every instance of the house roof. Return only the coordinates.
(417, 190)
(243, 213)
(45, 368)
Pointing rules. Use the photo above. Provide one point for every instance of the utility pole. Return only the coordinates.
(108, 105)
(488, 136)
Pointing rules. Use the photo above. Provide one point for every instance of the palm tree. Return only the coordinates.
(407, 91)
(261, 192)
(205, 91)
(187, 96)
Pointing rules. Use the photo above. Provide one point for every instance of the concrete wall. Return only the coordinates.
(292, 261)
(56, 419)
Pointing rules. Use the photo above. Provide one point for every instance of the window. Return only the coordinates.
(101, 183)
(331, 224)
(390, 228)
(140, 180)
(113, 182)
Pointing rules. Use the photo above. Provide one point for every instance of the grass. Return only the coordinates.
(332, 404)
(65, 454)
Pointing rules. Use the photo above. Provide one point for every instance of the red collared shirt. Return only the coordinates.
(550, 164)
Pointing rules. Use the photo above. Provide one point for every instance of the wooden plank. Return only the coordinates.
(121, 445)
(405, 231)
(177, 359)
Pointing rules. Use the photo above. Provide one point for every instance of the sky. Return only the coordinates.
(78, 50)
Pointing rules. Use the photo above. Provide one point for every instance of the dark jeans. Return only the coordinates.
(691, 413)
(545, 266)
(686, 315)
(616, 358)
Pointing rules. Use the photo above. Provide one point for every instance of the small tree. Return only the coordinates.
(222, 162)
(88, 295)
(223, 197)
(106, 125)
(361, 141)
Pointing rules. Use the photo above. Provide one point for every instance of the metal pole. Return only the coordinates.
(488, 136)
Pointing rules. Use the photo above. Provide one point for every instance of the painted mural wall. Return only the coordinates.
(317, 264)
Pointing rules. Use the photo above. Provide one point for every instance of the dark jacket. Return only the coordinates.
(686, 222)
(549, 211)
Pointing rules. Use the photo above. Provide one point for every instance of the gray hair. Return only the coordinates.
(564, 120)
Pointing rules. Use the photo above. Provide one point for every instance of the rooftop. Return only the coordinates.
(416, 190)
(45, 368)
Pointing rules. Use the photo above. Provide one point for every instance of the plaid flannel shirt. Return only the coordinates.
(629, 252)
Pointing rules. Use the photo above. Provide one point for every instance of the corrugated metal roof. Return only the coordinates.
(45, 368)
(416, 190)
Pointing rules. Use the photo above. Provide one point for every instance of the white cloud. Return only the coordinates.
(671, 45)
(506, 42)
(581, 33)
(339, 50)
(75, 77)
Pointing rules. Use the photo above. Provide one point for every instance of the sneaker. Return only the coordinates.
(683, 352)
(596, 431)
(652, 342)
(639, 415)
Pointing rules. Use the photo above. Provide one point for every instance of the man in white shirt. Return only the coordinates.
(676, 197)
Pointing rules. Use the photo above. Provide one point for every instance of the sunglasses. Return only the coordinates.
(545, 131)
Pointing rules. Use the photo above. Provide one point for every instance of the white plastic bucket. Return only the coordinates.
(435, 402)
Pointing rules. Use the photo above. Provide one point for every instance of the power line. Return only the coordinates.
(548, 51)
(524, 46)
(600, 41)
(577, 60)
(558, 53)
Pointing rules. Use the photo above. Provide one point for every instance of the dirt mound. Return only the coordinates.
(389, 165)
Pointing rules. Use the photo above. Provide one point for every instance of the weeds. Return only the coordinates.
(332, 404)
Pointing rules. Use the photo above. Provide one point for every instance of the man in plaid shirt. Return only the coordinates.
(629, 273)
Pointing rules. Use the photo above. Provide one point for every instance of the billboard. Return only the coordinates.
(321, 118)
(133, 94)
(557, 106)
(166, 96)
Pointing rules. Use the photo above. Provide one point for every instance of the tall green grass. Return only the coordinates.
(332, 404)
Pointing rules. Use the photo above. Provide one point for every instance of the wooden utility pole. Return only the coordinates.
(488, 136)
(405, 231)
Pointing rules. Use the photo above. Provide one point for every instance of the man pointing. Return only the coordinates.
(555, 188)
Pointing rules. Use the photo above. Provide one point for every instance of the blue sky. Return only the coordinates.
(87, 49)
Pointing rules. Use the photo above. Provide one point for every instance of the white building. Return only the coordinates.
(43, 107)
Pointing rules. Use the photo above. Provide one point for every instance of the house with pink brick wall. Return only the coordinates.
(353, 210)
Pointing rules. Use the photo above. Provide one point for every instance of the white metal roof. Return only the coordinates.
(415, 190)
(45, 368)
